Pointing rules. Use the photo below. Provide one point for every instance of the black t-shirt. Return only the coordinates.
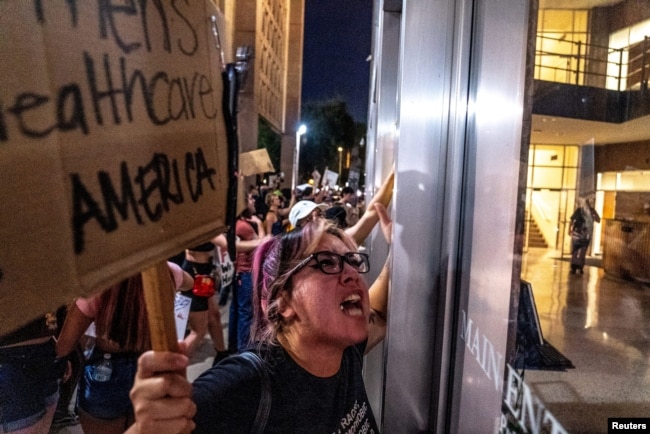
(228, 395)
(579, 227)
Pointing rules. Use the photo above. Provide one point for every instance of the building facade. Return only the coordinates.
(273, 31)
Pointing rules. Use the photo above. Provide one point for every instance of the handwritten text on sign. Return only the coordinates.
(112, 134)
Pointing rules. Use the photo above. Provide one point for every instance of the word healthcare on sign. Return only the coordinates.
(112, 144)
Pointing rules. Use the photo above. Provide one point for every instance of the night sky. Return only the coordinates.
(337, 43)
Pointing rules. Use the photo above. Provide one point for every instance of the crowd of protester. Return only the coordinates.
(70, 350)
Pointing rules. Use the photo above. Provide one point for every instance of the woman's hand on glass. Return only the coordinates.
(385, 222)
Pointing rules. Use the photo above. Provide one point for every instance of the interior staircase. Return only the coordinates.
(535, 237)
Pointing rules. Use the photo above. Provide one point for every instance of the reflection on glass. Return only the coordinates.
(595, 319)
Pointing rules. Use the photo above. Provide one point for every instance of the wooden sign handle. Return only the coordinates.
(159, 295)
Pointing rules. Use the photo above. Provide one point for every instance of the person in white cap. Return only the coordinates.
(315, 319)
(304, 211)
(359, 232)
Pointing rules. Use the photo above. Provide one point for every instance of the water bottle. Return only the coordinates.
(103, 369)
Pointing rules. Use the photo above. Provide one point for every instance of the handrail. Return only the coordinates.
(584, 64)
(540, 209)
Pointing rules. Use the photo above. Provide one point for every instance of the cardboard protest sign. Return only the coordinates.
(112, 144)
(331, 178)
(353, 179)
(181, 314)
(254, 162)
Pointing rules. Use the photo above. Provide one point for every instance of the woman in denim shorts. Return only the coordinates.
(121, 331)
(29, 377)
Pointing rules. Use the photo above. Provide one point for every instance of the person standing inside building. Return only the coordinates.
(581, 228)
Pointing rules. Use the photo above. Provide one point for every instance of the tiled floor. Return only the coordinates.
(602, 324)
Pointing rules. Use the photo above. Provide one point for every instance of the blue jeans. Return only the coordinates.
(241, 312)
(29, 383)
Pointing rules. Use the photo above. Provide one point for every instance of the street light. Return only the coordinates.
(340, 164)
(296, 156)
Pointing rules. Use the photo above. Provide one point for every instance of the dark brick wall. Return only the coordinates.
(627, 13)
(622, 156)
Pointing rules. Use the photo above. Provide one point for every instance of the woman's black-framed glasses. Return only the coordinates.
(332, 263)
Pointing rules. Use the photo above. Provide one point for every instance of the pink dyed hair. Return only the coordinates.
(271, 262)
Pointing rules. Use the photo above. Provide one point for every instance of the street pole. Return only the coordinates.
(296, 157)
(340, 165)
